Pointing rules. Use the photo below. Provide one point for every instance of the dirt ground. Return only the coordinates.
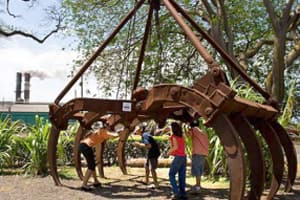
(115, 186)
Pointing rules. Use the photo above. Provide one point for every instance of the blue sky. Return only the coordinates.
(19, 54)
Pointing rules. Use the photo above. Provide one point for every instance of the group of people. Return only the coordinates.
(200, 145)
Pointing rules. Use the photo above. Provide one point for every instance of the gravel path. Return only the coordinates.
(117, 186)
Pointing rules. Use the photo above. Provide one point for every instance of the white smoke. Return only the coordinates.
(61, 74)
(36, 73)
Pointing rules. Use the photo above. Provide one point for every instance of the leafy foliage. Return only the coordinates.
(175, 61)
(66, 143)
(35, 144)
(286, 116)
(242, 28)
(7, 149)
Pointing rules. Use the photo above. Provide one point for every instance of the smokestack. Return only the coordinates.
(18, 86)
(26, 87)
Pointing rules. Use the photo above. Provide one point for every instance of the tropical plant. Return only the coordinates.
(65, 144)
(7, 129)
(246, 91)
(216, 159)
(287, 113)
(35, 144)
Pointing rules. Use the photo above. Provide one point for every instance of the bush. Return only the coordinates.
(110, 155)
(35, 144)
(9, 153)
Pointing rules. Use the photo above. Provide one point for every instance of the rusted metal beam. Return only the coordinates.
(222, 52)
(249, 108)
(144, 43)
(190, 34)
(61, 115)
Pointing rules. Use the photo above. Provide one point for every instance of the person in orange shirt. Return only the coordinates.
(200, 145)
(86, 148)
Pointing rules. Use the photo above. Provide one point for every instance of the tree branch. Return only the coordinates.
(286, 12)
(22, 33)
(294, 19)
(252, 52)
(272, 15)
(208, 8)
(8, 10)
(293, 55)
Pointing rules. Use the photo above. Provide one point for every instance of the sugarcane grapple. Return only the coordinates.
(234, 119)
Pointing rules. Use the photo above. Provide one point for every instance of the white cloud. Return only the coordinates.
(19, 55)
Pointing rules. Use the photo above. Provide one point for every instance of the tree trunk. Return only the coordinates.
(278, 69)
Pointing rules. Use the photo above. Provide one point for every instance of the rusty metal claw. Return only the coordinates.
(255, 155)
(77, 161)
(274, 145)
(51, 154)
(290, 154)
(232, 146)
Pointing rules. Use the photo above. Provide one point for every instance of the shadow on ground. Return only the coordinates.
(132, 188)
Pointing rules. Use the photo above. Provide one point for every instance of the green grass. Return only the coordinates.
(67, 172)
(11, 171)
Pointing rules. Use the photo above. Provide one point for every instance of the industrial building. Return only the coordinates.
(22, 109)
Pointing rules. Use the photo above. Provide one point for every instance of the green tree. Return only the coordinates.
(257, 33)
(250, 31)
(166, 57)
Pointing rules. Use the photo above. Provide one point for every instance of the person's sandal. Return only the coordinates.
(86, 189)
(97, 184)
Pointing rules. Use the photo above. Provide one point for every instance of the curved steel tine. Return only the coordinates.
(290, 153)
(120, 150)
(77, 161)
(274, 145)
(255, 155)
(232, 146)
(51, 154)
(99, 158)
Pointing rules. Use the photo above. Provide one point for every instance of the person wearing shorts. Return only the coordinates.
(86, 148)
(149, 143)
(200, 145)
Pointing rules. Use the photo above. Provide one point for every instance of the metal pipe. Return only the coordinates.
(223, 53)
(142, 53)
(93, 57)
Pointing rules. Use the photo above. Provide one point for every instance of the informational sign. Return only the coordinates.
(126, 107)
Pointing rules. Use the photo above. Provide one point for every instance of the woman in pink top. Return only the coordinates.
(200, 144)
(178, 164)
